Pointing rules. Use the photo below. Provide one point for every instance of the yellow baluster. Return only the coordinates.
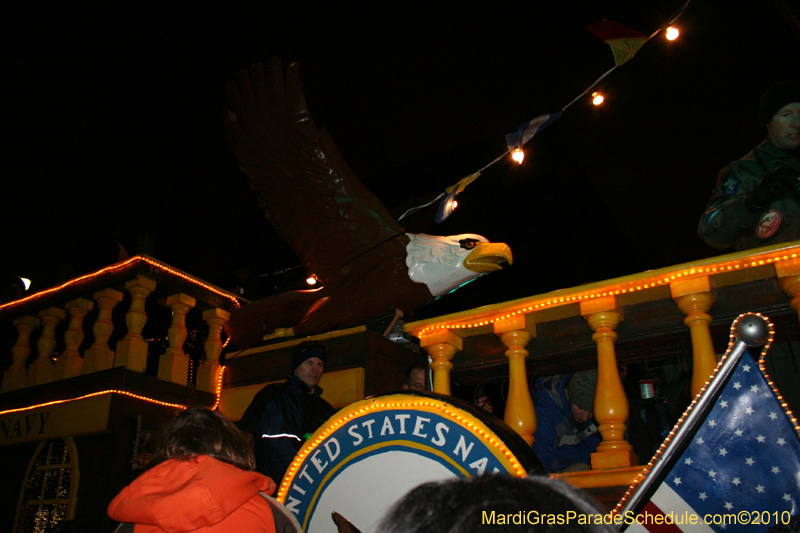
(14, 377)
(41, 370)
(516, 332)
(69, 363)
(694, 299)
(441, 345)
(99, 355)
(788, 273)
(132, 349)
(207, 373)
(610, 403)
(174, 364)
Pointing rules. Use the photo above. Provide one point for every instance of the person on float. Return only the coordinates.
(281, 417)
(415, 378)
(756, 201)
(566, 432)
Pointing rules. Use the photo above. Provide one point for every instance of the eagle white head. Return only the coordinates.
(446, 263)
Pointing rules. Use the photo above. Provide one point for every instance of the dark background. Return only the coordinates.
(113, 129)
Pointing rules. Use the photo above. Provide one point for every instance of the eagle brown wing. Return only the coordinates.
(316, 203)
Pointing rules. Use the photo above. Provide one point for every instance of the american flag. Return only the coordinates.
(737, 467)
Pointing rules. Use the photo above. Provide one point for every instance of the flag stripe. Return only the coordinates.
(653, 511)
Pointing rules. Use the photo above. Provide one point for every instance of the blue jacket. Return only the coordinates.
(280, 417)
(560, 440)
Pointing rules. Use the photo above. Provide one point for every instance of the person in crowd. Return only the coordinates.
(566, 433)
(415, 378)
(200, 478)
(490, 503)
(756, 201)
(281, 417)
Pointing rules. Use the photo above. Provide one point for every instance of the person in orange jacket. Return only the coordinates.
(201, 478)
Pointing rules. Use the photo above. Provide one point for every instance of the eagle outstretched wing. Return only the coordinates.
(316, 203)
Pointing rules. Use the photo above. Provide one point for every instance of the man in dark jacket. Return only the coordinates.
(757, 199)
(281, 417)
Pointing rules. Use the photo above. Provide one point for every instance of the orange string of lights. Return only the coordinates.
(119, 266)
(217, 393)
(621, 288)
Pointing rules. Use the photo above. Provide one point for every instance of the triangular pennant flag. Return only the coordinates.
(447, 205)
(526, 131)
(624, 42)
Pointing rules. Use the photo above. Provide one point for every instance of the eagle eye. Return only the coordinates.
(468, 244)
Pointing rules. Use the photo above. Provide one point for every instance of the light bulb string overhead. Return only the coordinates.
(624, 43)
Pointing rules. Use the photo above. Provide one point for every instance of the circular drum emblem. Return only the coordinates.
(768, 223)
(368, 455)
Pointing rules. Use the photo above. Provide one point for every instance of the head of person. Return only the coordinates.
(580, 393)
(482, 398)
(196, 431)
(780, 111)
(308, 362)
(415, 378)
(467, 505)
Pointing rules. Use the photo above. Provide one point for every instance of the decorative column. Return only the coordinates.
(441, 345)
(99, 355)
(788, 273)
(14, 377)
(610, 403)
(174, 364)
(132, 349)
(41, 370)
(208, 372)
(694, 299)
(70, 363)
(515, 332)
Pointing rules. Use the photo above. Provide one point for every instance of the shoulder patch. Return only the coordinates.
(768, 223)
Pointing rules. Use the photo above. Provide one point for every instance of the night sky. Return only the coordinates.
(113, 128)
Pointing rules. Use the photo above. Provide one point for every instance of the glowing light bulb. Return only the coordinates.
(26, 282)
(518, 155)
(672, 33)
(311, 280)
(597, 98)
(455, 204)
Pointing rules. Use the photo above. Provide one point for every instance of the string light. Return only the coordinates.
(597, 98)
(92, 395)
(518, 155)
(218, 394)
(653, 280)
(672, 33)
(311, 280)
(122, 265)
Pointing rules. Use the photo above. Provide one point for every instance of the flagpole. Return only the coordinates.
(749, 329)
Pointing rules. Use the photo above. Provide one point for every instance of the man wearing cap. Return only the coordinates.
(282, 416)
(566, 433)
(757, 199)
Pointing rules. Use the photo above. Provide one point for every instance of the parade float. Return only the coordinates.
(92, 373)
(85, 386)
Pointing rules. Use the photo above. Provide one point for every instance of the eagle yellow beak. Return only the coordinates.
(487, 256)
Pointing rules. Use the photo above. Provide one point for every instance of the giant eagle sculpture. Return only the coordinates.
(340, 232)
